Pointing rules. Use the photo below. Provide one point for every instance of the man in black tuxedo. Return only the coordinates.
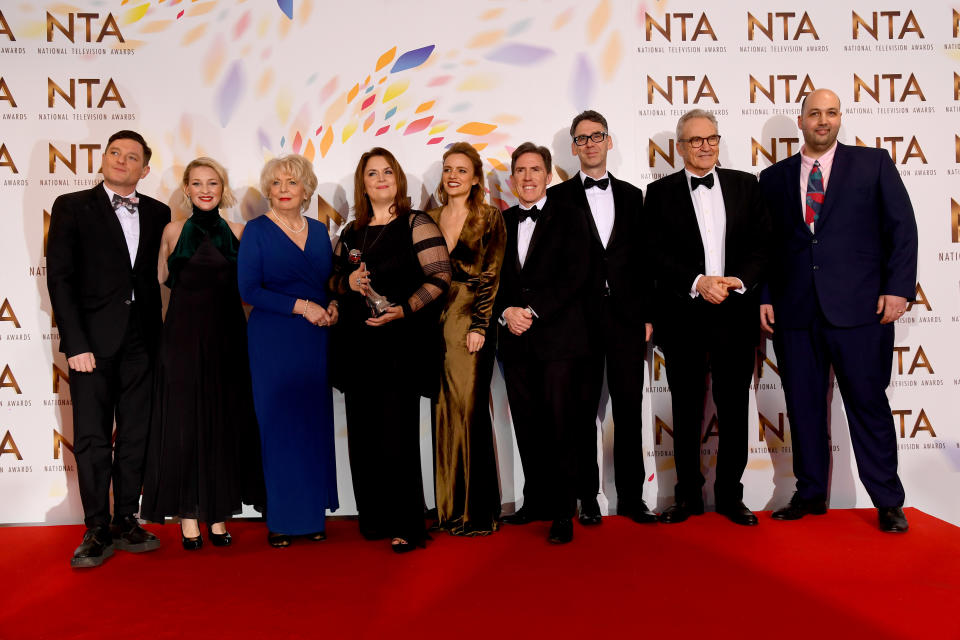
(102, 252)
(619, 315)
(543, 339)
(709, 234)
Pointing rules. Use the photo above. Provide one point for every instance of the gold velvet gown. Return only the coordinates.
(467, 487)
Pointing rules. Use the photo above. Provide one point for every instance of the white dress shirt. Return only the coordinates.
(130, 222)
(601, 207)
(712, 221)
(525, 230)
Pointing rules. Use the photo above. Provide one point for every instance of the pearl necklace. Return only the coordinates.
(289, 228)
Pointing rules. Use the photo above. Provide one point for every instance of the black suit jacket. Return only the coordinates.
(623, 264)
(554, 281)
(89, 274)
(679, 254)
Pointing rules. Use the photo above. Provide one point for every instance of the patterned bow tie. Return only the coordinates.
(600, 184)
(129, 203)
(706, 181)
(532, 213)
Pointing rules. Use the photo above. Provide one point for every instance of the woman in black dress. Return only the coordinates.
(203, 458)
(396, 252)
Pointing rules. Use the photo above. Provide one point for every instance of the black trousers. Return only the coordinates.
(119, 388)
(546, 404)
(729, 356)
(621, 354)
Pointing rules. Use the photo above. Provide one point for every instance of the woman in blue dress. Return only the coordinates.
(283, 267)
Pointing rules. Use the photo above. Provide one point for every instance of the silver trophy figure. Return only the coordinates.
(377, 304)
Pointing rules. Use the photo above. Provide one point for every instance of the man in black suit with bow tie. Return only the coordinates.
(619, 315)
(543, 339)
(102, 253)
(709, 233)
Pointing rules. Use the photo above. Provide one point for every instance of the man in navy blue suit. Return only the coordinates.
(846, 265)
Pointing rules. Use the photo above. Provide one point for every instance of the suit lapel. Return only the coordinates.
(513, 237)
(838, 174)
(621, 211)
(101, 205)
(686, 214)
(795, 210)
(581, 202)
(538, 230)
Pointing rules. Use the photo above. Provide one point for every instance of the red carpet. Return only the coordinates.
(822, 577)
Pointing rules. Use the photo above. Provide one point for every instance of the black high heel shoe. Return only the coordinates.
(219, 539)
(190, 544)
(278, 540)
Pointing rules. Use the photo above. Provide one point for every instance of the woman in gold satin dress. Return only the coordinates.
(467, 487)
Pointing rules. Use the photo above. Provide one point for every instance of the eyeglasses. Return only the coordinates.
(598, 137)
(696, 142)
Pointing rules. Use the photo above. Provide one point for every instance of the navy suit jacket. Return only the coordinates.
(865, 244)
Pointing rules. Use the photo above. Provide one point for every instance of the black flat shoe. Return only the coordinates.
(561, 531)
(799, 508)
(128, 535)
(680, 511)
(278, 540)
(219, 539)
(738, 513)
(590, 512)
(319, 536)
(892, 520)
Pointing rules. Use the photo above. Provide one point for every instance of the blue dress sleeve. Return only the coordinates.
(253, 260)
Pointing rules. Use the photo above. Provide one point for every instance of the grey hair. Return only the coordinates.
(696, 113)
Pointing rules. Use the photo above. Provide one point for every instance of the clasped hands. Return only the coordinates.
(715, 289)
(518, 319)
(359, 281)
(318, 316)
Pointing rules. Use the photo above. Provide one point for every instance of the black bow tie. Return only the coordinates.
(706, 181)
(128, 203)
(600, 184)
(533, 213)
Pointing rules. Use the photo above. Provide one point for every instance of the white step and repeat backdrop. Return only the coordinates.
(244, 81)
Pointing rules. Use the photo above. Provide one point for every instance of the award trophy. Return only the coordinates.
(376, 303)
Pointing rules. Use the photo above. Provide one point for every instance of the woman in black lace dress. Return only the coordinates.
(399, 253)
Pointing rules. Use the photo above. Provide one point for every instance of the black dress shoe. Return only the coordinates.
(892, 520)
(96, 547)
(590, 512)
(799, 507)
(219, 539)
(738, 513)
(523, 515)
(680, 511)
(638, 511)
(561, 531)
(128, 535)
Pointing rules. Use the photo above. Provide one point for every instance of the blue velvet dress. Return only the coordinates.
(288, 367)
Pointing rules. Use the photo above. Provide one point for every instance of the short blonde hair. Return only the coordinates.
(227, 199)
(294, 165)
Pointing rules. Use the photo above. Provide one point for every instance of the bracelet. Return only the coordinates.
(306, 307)
(334, 303)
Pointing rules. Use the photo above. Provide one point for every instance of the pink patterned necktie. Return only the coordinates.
(814, 201)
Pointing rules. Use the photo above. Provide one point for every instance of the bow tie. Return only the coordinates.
(706, 181)
(532, 213)
(129, 203)
(600, 184)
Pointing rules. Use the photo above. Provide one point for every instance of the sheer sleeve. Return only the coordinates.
(339, 284)
(488, 280)
(431, 251)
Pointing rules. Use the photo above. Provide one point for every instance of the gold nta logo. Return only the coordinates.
(5, 29)
(954, 220)
(7, 445)
(913, 148)
(91, 24)
(668, 154)
(704, 89)
(910, 88)
(779, 429)
(921, 299)
(908, 24)
(772, 153)
(6, 160)
(702, 28)
(6, 94)
(70, 162)
(110, 92)
(8, 380)
(803, 26)
(769, 90)
(922, 423)
(919, 360)
(7, 314)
